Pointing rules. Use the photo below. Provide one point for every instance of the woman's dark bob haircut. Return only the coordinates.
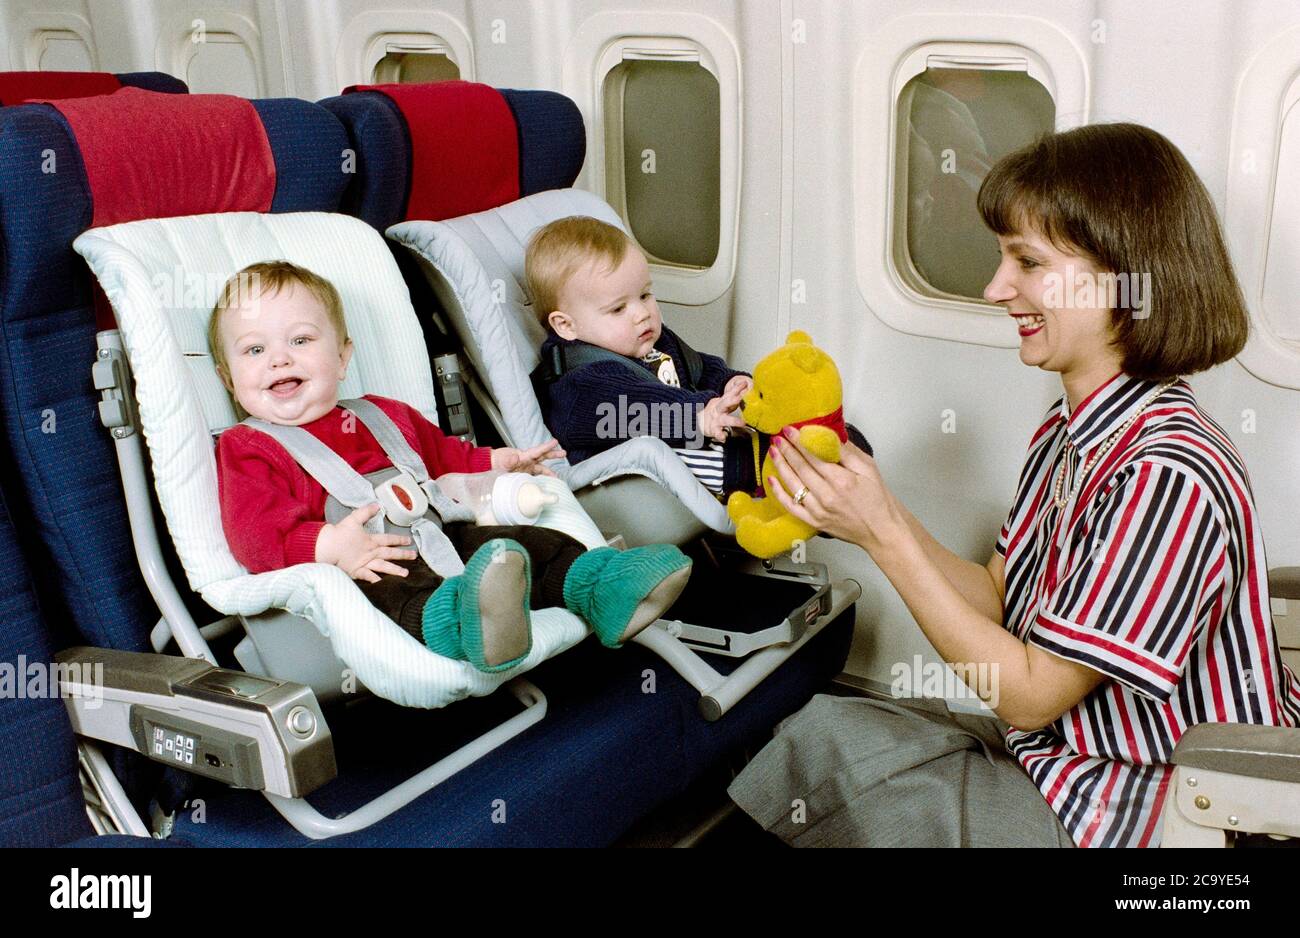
(1124, 197)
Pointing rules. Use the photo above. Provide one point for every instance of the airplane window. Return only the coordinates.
(222, 64)
(412, 66)
(64, 51)
(1281, 273)
(662, 158)
(954, 124)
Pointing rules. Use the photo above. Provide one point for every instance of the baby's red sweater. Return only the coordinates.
(272, 511)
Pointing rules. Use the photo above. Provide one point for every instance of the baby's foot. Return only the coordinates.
(482, 615)
(619, 593)
(504, 630)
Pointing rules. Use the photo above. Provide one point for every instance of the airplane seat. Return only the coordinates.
(460, 174)
(60, 465)
(22, 282)
(616, 709)
(100, 572)
(484, 168)
(43, 288)
(1235, 780)
(21, 87)
(41, 796)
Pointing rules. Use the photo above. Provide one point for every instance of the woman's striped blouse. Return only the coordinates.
(1153, 574)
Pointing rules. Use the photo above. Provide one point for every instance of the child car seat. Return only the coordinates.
(180, 402)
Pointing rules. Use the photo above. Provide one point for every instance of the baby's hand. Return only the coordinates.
(358, 553)
(739, 385)
(530, 461)
(719, 414)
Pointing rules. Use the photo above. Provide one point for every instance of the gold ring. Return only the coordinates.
(800, 495)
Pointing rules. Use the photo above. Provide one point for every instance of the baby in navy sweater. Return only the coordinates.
(280, 344)
(610, 368)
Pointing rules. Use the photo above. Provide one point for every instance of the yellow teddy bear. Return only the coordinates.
(798, 385)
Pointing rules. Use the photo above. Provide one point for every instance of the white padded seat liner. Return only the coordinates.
(475, 265)
(162, 277)
(481, 260)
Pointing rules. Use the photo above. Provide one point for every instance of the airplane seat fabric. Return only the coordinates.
(40, 793)
(20, 87)
(552, 139)
(435, 151)
(153, 81)
(381, 172)
(59, 466)
(464, 146)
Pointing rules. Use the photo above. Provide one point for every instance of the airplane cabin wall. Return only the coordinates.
(950, 419)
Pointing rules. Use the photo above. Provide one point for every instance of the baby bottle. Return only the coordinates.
(497, 497)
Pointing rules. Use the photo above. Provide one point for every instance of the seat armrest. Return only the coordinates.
(246, 731)
(1271, 752)
(1284, 582)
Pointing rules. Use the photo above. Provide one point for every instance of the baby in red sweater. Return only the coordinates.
(280, 344)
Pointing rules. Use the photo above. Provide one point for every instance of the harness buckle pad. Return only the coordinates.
(401, 498)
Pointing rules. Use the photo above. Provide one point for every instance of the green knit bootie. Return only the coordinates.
(619, 592)
(482, 615)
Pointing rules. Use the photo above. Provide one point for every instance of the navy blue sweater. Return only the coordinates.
(582, 406)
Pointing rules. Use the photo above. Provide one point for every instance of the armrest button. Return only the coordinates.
(301, 722)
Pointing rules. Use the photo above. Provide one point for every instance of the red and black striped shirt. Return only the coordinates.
(1154, 575)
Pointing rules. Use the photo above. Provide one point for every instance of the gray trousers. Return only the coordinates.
(856, 772)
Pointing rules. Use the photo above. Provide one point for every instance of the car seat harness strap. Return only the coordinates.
(411, 501)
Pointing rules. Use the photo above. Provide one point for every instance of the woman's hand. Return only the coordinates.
(849, 501)
(531, 460)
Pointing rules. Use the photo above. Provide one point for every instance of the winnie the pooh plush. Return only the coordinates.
(798, 385)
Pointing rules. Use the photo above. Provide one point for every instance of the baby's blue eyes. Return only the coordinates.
(299, 340)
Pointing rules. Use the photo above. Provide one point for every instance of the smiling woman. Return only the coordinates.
(1089, 213)
(1127, 597)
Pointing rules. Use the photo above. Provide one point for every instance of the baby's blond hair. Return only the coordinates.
(560, 249)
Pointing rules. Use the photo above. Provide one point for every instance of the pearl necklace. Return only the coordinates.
(1101, 451)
